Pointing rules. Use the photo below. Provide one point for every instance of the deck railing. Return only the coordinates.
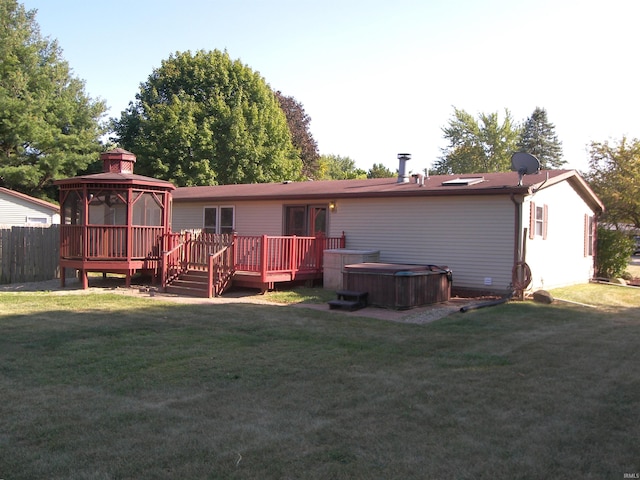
(110, 241)
(220, 255)
(283, 254)
(199, 251)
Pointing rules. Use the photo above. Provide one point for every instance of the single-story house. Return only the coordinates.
(482, 226)
(18, 209)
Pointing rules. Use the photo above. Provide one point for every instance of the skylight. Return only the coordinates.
(463, 181)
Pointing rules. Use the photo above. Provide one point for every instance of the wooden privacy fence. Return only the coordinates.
(29, 254)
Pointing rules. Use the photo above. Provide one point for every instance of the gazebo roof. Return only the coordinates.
(117, 166)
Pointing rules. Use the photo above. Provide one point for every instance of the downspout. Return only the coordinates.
(519, 261)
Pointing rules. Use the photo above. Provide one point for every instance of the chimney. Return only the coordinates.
(117, 161)
(403, 158)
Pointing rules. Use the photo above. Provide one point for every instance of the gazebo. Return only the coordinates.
(114, 221)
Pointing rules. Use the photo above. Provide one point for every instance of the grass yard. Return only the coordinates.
(114, 387)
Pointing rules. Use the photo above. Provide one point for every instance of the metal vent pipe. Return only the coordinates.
(403, 176)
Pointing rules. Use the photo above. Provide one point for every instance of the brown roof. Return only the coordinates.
(28, 198)
(117, 178)
(492, 183)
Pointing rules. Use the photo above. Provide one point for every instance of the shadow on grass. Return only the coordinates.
(106, 386)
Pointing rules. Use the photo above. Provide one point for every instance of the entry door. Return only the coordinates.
(305, 221)
(318, 220)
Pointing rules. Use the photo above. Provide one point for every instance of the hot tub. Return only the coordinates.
(399, 286)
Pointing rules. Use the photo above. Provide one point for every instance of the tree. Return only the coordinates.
(49, 127)
(379, 170)
(206, 119)
(335, 167)
(298, 122)
(478, 146)
(614, 175)
(614, 249)
(539, 138)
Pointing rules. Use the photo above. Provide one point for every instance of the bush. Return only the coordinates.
(614, 249)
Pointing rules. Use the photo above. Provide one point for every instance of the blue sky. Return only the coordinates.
(380, 77)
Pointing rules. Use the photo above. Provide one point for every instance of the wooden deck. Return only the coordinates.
(247, 261)
(251, 261)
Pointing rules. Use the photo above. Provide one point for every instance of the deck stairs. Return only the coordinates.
(192, 283)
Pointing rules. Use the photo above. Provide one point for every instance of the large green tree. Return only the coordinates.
(614, 174)
(539, 138)
(49, 127)
(205, 119)
(335, 167)
(476, 146)
(299, 127)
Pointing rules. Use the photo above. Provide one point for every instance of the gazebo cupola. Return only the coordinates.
(114, 221)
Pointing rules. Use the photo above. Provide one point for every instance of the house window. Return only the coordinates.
(37, 221)
(589, 235)
(219, 219)
(305, 220)
(539, 221)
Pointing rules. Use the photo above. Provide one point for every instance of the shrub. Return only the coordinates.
(614, 249)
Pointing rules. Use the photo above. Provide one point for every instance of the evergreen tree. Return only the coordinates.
(49, 127)
(539, 138)
(206, 119)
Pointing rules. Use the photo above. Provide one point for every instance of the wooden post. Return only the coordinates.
(264, 253)
(210, 267)
(234, 260)
(84, 276)
(186, 252)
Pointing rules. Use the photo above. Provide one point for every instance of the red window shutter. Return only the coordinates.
(545, 222)
(532, 220)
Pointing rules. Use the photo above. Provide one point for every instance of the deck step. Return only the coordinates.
(349, 300)
(192, 284)
(187, 291)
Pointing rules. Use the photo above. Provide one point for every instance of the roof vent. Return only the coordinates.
(403, 158)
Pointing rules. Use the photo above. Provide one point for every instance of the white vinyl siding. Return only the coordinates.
(16, 211)
(559, 259)
(251, 218)
(474, 236)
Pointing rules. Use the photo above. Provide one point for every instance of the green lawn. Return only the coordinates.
(114, 387)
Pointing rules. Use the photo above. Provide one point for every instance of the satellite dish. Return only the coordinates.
(525, 164)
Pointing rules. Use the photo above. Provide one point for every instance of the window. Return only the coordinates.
(219, 219)
(37, 220)
(589, 235)
(463, 181)
(538, 221)
(305, 220)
